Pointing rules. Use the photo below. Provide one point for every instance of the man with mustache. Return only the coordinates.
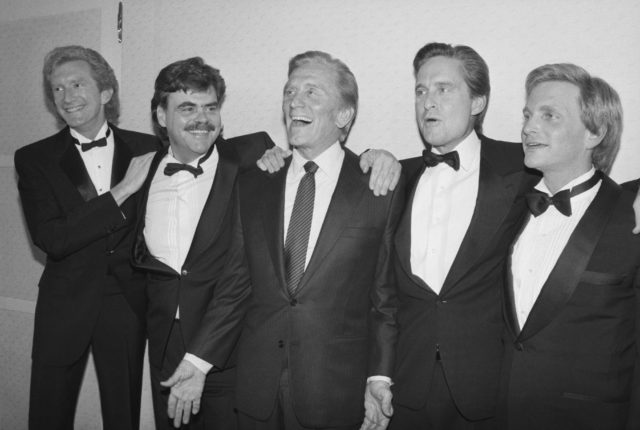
(182, 241)
(78, 192)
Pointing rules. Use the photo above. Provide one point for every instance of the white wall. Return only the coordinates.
(251, 42)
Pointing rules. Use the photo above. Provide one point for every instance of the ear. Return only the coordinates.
(344, 117)
(105, 96)
(593, 139)
(478, 104)
(161, 114)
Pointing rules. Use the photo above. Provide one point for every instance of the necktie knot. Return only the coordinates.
(89, 145)
(432, 159)
(539, 201)
(310, 167)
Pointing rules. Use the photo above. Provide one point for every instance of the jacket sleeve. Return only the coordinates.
(57, 230)
(384, 295)
(221, 324)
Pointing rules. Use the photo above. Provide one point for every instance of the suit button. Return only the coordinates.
(280, 344)
(293, 302)
(111, 252)
(185, 272)
(519, 346)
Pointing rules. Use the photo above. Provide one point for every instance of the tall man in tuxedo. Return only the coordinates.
(183, 235)
(573, 298)
(464, 206)
(317, 245)
(76, 189)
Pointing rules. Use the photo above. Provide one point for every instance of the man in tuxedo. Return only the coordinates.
(317, 246)
(77, 189)
(572, 301)
(183, 235)
(464, 206)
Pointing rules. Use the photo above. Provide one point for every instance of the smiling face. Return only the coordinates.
(193, 122)
(77, 97)
(444, 106)
(313, 110)
(554, 138)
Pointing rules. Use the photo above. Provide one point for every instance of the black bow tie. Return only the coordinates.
(172, 168)
(432, 159)
(100, 142)
(539, 201)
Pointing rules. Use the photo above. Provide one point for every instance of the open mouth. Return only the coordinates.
(300, 120)
(72, 109)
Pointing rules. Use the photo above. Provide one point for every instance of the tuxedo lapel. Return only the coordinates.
(345, 199)
(509, 302)
(573, 261)
(403, 233)
(72, 165)
(121, 157)
(215, 208)
(140, 254)
(496, 194)
(273, 218)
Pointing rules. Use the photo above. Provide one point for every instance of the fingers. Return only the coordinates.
(273, 159)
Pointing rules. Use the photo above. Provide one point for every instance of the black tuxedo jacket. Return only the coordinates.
(575, 363)
(87, 239)
(337, 329)
(463, 324)
(206, 324)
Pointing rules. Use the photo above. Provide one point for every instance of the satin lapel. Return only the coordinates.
(495, 199)
(509, 303)
(121, 157)
(272, 211)
(403, 235)
(346, 197)
(72, 165)
(573, 260)
(140, 254)
(215, 208)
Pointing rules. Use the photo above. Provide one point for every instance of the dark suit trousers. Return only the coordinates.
(117, 345)
(283, 416)
(439, 413)
(217, 403)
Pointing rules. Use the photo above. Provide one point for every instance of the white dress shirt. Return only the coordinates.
(540, 244)
(326, 177)
(442, 208)
(174, 208)
(98, 160)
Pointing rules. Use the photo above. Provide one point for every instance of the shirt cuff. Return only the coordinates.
(200, 364)
(380, 378)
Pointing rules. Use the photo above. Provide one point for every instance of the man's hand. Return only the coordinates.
(273, 159)
(636, 208)
(377, 405)
(385, 170)
(134, 178)
(186, 385)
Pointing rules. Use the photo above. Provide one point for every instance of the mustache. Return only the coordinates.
(200, 126)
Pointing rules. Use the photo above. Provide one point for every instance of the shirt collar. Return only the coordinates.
(82, 139)
(468, 151)
(541, 186)
(329, 161)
